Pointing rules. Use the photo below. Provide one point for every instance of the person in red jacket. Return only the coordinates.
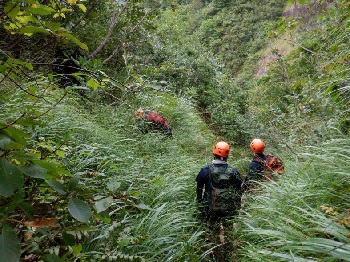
(152, 116)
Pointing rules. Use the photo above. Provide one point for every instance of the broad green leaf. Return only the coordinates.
(142, 206)
(12, 138)
(28, 121)
(134, 193)
(113, 186)
(73, 39)
(33, 30)
(103, 204)
(57, 186)
(73, 183)
(52, 258)
(34, 171)
(79, 209)
(82, 7)
(13, 61)
(53, 170)
(28, 209)
(25, 19)
(77, 249)
(69, 239)
(4, 141)
(53, 26)
(3, 68)
(39, 9)
(13, 27)
(10, 250)
(93, 83)
(16, 200)
(11, 178)
(11, 9)
(65, 10)
(60, 153)
(103, 216)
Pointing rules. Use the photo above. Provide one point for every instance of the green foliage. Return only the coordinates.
(32, 165)
(9, 245)
(33, 18)
(300, 87)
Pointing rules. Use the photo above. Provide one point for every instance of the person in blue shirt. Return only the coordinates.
(256, 168)
(220, 153)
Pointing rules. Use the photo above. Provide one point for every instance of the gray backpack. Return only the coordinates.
(225, 190)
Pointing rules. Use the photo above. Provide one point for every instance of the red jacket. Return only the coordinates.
(155, 117)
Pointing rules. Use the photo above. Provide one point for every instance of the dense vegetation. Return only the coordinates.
(79, 180)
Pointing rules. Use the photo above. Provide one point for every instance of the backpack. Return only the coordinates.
(224, 194)
(273, 166)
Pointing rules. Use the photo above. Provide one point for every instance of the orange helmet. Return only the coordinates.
(257, 146)
(221, 149)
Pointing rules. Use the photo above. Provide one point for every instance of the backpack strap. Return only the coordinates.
(259, 160)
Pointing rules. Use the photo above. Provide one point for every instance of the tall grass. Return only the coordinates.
(147, 181)
(304, 216)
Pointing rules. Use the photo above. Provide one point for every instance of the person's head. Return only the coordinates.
(221, 150)
(139, 113)
(257, 146)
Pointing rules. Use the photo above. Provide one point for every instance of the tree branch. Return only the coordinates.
(110, 30)
(122, 44)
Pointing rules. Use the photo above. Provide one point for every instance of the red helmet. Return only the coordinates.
(221, 149)
(257, 146)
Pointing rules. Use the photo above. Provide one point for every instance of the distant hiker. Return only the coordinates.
(219, 186)
(154, 120)
(263, 167)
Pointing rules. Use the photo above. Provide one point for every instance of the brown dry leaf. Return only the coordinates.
(345, 221)
(42, 222)
(329, 210)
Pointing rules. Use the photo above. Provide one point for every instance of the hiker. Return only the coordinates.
(152, 117)
(219, 186)
(263, 167)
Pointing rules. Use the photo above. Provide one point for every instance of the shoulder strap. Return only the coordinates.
(259, 160)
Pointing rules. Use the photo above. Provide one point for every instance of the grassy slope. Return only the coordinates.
(160, 172)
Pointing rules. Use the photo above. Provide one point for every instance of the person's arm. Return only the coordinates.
(199, 192)
(201, 179)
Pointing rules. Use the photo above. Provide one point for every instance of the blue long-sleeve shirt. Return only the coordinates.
(256, 169)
